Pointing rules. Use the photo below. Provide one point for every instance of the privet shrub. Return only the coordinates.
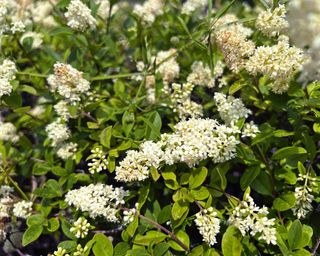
(159, 128)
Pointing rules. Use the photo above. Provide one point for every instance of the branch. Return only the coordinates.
(173, 236)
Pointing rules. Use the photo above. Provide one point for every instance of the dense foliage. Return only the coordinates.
(159, 128)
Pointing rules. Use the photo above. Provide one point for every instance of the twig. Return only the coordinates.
(173, 236)
(314, 251)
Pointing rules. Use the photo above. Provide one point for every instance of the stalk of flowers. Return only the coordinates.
(272, 23)
(201, 74)
(182, 103)
(7, 71)
(230, 109)
(99, 161)
(79, 16)
(252, 220)
(304, 195)
(279, 63)
(98, 200)
(192, 141)
(68, 82)
(232, 40)
(8, 132)
(149, 10)
(208, 225)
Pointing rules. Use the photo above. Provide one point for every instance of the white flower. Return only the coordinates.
(79, 16)
(191, 6)
(128, 215)
(182, 103)
(149, 10)
(271, 23)
(169, 68)
(17, 26)
(208, 225)
(233, 43)
(60, 252)
(98, 200)
(68, 82)
(57, 133)
(36, 39)
(8, 132)
(250, 130)
(230, 109)
(136, 165)
(80, 227)
(5, 190)
(251, 219)
(67, 150)
(303, 195)
(278, 62)
(41, 13)
(99, 161)
(22, 209)
(7, 71)
(201, 75)
(62, 109)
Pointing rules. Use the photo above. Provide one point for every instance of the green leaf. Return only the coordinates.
(284, 202)
(28, 89)
(121, 248)
(154, 124)
(36, 219)
(53, 224)
(170, 179)
(231, 242)
(132, 227)
(31, 234)
(68, 245)
(178, 209)
(197, 177)
(151, 236)
(294, 234)
(105, 137)
(161, 249)
(183, 237)
(288, 151)
(249, 176)
(165, 214)
(236, 86)
(102, 246)
(62, 31)
(263, 184)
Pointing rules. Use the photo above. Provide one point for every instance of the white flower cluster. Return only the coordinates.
(278, 62)
(68, 82)
(80, 251)
(13, 17)
(303, 195)
(272, 23)
(128, 215)
(60, 252)
(80, 227)
(201, 75)
(7, 70)
(250, 130)
(208, 225)
(169, 68)
(98, 200)
(304, 31)
(41, 12)
(62, 110)
(192, 141)
(136, 165)
(230, 108)
(231, 38)
(67, 150)
(99, 161)
(182, 103)
(8, 132)
(253, 220)
(57, 133)
(149, 10)
(191, 6)
(22, 209)
(79, 16)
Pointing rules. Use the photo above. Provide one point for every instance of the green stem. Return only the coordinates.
(109, 77)
(15, 184)
(31, 74)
